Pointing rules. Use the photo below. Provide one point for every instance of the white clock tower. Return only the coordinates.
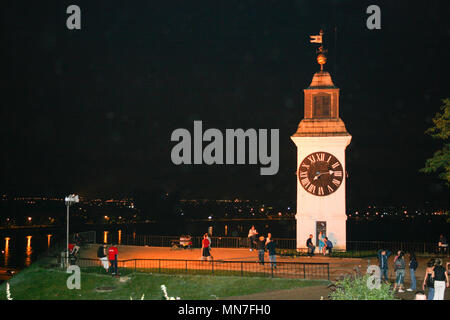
(321, 140)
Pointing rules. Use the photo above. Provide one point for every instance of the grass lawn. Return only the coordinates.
(38, 283)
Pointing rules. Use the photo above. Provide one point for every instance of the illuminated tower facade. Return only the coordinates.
(321, 139)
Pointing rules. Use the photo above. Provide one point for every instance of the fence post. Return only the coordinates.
(212, 266)
(304, 271)
(242, 270)
(186, 266)
(159, 265)
(328, 270)
(135, 262)
(271, 267)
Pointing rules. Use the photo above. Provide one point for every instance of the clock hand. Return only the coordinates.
(321, 173)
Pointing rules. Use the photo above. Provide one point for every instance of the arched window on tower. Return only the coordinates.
(322, 105)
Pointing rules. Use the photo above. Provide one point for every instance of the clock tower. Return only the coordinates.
(321, 139)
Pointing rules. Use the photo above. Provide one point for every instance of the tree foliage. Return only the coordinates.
(440, 162)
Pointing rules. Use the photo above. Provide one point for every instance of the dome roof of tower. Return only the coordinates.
(321, 79)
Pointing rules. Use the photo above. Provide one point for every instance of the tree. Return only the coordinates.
(440, 162)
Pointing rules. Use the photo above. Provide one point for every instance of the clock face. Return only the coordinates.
(320, 173)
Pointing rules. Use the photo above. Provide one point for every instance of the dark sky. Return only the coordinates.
(92, 111)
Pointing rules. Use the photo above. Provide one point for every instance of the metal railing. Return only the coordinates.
(282, 243)
(298, 270)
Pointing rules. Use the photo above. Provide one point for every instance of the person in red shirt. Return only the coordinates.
(112, 256)
(206, 248)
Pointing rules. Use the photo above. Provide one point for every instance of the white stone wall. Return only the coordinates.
(330, 208)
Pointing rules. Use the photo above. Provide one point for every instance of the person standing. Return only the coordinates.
(206, 254)
(440, 280)
(269, 238)
(428, 280)
(310, 246)
(399, 266)
(383, 256)
(413, 264)
(271, 247)
(443, 244)
(252, 234)
(101, 254)
(261, 245)
(113, 253)
(321, 243)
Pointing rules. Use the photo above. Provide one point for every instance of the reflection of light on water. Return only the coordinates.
(120, 236)
(105, 236)
(6, 251)
(48, 240)
(28, 252)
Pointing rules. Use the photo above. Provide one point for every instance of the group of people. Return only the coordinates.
(185, 241)
(435, 278)
(108, 258)
(325, 245)
(262, 245)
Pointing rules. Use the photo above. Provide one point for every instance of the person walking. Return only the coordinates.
(113, 253)
(428, 280)
(271, 247)
(413, 264)
(261, 245)
(206, 249)
(321, 243)
(399, 266)
(252, 234)
(383, 256)
(310, 246)
(440, 280)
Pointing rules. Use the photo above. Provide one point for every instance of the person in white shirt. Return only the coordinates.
(252, 235)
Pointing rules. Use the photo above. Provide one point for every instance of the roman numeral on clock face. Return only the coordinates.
(320, 156)
(312, 188)
(303, 174)
(335, 165)
(336, 182)
(311, 158)
(305, 182)
(330, 189)
(338, 173)
(320, 191)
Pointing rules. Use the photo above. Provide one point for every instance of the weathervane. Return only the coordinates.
(321, 58)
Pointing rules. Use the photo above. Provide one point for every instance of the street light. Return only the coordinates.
(70, 200)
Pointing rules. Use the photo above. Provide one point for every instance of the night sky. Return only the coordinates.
(92, 110)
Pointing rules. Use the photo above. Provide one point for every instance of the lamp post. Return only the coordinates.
(70, 199)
